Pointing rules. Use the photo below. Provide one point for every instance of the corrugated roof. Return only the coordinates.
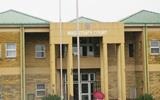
(84, 20)
(15, 17)
(143, 17)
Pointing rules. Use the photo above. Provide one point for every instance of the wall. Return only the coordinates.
(134, 65)
(154, 63)
(10, 67)
(37, 70)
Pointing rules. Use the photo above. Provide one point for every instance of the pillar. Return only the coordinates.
(121, 72)
(145, 55)
(70, 72)
(52, 69)
(22, 62)
(101, 67)
(105, 70)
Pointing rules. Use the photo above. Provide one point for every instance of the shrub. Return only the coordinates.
(51, 97)
(145, 97)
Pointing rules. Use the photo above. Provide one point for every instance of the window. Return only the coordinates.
(131, 50)
(40, 90)
(11, 50)
(64, 51)
(40, 51)
(155, 47)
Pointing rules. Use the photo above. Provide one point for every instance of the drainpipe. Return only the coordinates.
(22, 62)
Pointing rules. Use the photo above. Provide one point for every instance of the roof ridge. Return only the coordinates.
(137, 13)
(18, 12)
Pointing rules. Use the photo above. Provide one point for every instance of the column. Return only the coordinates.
(22, 62)
(119, 72)
(101, 67)
(52, 69)
(123, 72)
(70, 72)
(105, 70)
(145, 55)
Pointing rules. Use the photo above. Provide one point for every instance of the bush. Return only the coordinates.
(51, 97)
(145, 97)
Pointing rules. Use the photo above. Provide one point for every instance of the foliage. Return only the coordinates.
(145, 97)
(51, 97)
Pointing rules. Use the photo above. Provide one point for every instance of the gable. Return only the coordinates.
(84, 20)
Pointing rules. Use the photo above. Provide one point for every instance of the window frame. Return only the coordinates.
(151, 47)
(11, 50)
(44, 47)
(40, 90)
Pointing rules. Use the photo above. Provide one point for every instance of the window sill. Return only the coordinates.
(155, 54)
(10, 57)
(40, 57)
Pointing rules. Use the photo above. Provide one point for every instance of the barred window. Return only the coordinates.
(155, 47)
(40, 90)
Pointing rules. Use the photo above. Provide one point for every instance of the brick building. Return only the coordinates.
(121, 59)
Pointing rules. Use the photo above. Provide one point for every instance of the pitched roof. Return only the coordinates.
(143, 17)
(12, 17)
(84, 20)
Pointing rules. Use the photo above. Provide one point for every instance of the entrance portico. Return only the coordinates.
(106, 34)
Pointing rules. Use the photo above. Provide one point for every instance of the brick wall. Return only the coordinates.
(155, 84)
(11, 87)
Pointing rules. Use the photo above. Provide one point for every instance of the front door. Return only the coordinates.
(87, 85)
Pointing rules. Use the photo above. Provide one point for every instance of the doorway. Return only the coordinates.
(87, 86)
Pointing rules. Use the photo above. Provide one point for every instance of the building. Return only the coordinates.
(121, 59)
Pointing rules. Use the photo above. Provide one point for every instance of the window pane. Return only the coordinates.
(11, 46)
(40, 47)
(131, 50)
(84, 88)
(154, 50)
(154, 43)
(75, 77)
(84, 77)
(75, 50)
(11, 53)
(40, 86)
(40, 54)
(40, 93)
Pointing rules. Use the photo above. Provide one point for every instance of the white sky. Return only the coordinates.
(102, 10)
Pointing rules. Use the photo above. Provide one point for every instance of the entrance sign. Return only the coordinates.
(87, 33)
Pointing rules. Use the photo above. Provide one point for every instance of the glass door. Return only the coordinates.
(87, 85)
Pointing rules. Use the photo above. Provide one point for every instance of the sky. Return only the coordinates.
(102, 10)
